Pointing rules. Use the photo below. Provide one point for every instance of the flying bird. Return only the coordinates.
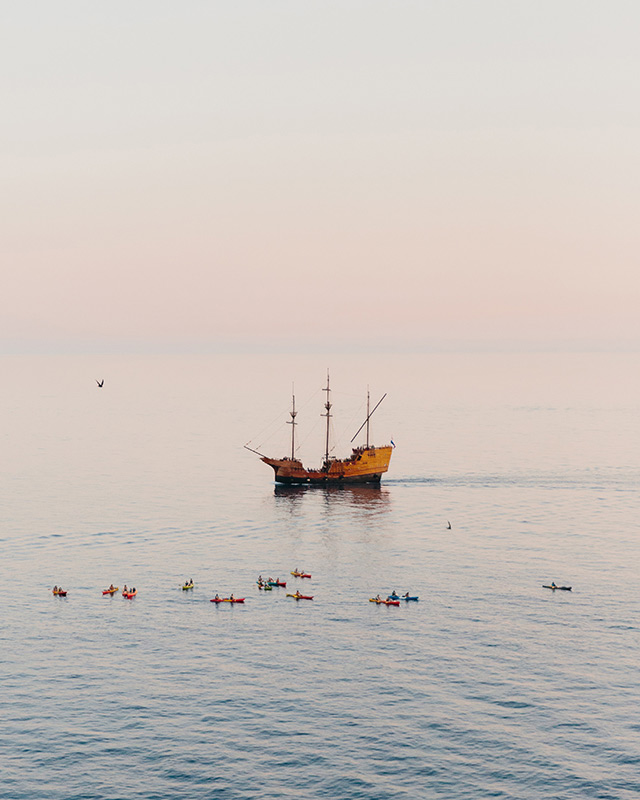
(100, 383)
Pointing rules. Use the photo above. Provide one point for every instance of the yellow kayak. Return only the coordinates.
(188, 586)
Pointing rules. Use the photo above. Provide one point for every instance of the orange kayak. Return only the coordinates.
(227, 600)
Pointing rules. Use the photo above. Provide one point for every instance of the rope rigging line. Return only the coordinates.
(270, 431)
(282, 417)
(344, 434)
(265, 429)
(314, 428)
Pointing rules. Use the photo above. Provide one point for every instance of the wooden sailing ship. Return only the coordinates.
(366, 464)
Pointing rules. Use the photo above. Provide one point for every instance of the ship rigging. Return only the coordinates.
(366, 464)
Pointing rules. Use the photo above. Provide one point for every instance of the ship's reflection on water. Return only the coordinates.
(369, 498)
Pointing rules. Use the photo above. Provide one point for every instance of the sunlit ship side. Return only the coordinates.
(366, 464)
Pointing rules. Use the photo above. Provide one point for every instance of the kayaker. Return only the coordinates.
(231, 597)
(406, 594)
(111, 588)
(217, 597)
(378, 599)
(55, 589)
(553, 585)
(124, 589)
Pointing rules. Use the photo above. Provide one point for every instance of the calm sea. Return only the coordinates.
(489, 686)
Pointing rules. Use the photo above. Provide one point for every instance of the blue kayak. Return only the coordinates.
(396, 597)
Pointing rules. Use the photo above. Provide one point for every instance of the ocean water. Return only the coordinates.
(489, 686)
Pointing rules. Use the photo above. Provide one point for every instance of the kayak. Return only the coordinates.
(406, 599)
(266, 587)
(553, 588)
(271, 584)
(384, 602)
(227, 600)
(301, 596)
(301, 575)
(110, 591)
(187, 586)
(129, 595)
(60, 593)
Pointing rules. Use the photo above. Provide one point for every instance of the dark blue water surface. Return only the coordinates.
(489, 686)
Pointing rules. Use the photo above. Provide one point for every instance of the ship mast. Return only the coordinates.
(368, 417)
(328, 415)
(293, 424)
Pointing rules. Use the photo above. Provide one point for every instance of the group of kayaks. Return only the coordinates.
(126, 592)
(269, 584)
(393, 599)
(217, 599)
(297, 595)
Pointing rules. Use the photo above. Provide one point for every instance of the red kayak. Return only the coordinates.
(227, 600)
(129, 595)
(299, 596)
(301, 575)
(60, 593)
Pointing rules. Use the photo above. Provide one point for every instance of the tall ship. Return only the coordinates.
(366, 464)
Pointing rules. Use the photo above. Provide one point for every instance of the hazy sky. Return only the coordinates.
(319, 173)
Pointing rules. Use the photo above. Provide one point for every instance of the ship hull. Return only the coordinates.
(323, 480)
(366, 465)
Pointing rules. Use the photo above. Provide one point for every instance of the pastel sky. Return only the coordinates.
(319, 173)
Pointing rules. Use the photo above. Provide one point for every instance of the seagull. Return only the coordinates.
(100, 383)
(448, 525)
